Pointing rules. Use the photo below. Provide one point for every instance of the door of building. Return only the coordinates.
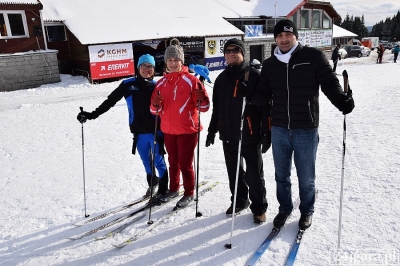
(256, 52)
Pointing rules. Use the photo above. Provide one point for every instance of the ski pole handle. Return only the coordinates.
(81, 108)
(345, 82)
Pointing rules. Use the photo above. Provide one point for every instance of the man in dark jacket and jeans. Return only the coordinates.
(226, 119)
(290, 82)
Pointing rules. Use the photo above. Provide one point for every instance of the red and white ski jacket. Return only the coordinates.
(179, 107)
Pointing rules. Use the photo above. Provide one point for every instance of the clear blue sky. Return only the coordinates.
(373, 10)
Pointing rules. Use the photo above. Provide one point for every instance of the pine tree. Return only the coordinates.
(389, 29)
(355, 25)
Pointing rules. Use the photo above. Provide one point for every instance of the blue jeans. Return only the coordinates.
(303, 143)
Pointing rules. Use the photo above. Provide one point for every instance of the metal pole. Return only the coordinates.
(83, 168)
(198, 214)
(153, 168)
(237, 173)
(345, 89)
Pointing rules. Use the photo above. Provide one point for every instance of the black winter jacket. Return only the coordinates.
(227, 107)
(335, 54)
(137, 93)
(292, 89)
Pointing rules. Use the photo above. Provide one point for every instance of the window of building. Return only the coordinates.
(56, 33)
(316, 19)
(294, 18)
(13, 24)
(305, 19)
(326, 21)
(271, 26)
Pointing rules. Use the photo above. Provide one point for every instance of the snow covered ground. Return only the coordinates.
(41, 183)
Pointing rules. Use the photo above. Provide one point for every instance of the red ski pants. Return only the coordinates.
(180, 149)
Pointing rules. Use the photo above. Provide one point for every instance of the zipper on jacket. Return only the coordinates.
(272, 108)
(309, 110)
(191, 119)
(300, 64)
(176, 88)
(287, 88)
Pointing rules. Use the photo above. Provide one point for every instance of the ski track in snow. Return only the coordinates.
(41, 184)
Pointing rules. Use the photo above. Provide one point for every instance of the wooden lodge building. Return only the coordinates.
(76, 33)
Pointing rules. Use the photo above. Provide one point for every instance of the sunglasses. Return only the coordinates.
(144, 67)
(234, 50)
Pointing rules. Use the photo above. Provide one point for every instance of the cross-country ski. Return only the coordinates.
(124, 217)
(113, 211)
(159, 221)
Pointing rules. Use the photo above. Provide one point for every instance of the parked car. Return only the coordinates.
(353, 50)
(342, 53)
(366, 51)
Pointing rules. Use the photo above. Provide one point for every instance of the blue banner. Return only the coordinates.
(253, 30)
(215, 63)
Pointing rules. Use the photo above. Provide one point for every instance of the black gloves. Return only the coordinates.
(210, 139)
(265, 142)
(245, 89)
(83, 116)
(347, 104)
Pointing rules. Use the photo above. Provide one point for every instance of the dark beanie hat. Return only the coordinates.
(235, 42)
(285, 25)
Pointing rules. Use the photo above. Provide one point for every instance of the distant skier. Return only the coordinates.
(396, 51)
(380, 50)
(335, 57)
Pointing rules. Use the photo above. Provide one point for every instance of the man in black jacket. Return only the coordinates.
(289, 85)
(226, 119)
(335, 57)
(137, 93)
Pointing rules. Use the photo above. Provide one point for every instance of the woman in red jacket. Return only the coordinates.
(176, 99)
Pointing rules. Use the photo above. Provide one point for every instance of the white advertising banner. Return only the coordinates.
(214, 58)
(315, 38)
(111, 60)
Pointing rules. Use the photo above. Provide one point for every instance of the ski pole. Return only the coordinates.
(246, 78)
(83, 167)
(237, 173)
(345, 89)
(198, 214)
(153, 170)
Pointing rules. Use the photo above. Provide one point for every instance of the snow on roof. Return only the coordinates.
(104, 21)
(340, 32)
(22, 2)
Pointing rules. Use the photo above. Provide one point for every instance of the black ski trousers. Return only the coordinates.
(251, 183)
